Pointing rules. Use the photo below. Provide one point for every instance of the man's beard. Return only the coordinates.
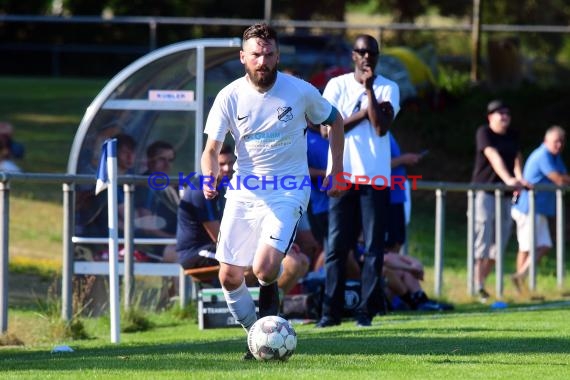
(262, 81)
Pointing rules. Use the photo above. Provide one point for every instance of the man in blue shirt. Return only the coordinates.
(199, 220)
(544, 165)
(318, 210)
(396, 229)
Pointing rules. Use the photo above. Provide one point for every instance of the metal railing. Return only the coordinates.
(153, 24)
(439, 188)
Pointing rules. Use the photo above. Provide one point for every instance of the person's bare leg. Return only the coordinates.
(411, 282)
(522, 271)
(479, 276)
(488, 267)
(308, 244)
(482, 269)
(394, 281)
(521, 258)
(352, 267)
(295, 267)
(399, 282)
(517, 277)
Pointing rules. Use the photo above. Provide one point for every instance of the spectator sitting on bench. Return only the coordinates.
(199, 223)
(156, 210)
(403, 289)
(16, 149)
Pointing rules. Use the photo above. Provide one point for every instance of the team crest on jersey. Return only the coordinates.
(285, 113)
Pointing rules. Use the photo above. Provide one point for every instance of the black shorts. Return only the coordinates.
(319, 225)
(191, 258)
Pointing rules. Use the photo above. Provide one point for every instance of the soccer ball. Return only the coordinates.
(272, 338)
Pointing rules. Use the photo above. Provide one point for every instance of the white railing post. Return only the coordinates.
(532, 240)
(439, 240)
(67, 252)
(499, 238)
(470, 242)
(560, 237)
(129, 248)
(4, 256)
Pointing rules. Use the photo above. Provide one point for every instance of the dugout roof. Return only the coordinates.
(164, 95)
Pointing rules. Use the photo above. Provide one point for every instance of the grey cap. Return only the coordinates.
(495, 105)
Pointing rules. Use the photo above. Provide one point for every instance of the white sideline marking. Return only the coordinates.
(546, 305)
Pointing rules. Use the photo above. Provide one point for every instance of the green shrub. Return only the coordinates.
(134, 320)
(454, 82)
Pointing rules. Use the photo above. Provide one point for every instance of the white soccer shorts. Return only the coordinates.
(522, 221)
(247, 224)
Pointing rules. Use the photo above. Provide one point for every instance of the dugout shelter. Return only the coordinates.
(164, 95)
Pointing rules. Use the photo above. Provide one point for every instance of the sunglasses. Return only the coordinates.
(362, 52)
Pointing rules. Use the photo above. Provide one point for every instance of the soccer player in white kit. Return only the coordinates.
(265, 111)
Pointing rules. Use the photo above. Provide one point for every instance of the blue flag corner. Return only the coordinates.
(108, 150)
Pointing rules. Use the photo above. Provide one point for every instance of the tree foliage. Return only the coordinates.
(84, 7)
(546, 12)
(521, 12)
(310, 10)
(27, 7)
(167, 8)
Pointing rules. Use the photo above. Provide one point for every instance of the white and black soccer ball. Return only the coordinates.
(272, 338)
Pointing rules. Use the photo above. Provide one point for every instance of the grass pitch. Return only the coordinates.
(474, 342)
(513, 343)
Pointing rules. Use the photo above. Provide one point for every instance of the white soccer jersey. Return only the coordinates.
(365, 153)
(269, 130)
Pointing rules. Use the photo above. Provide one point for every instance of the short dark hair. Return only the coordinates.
(371, 41)
(4, 147)
(227, 149)
(262, 31)
(156, 147)
(124, 140)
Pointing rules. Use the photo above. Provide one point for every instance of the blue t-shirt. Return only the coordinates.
(317, 156)
(539, 164)
(397, 193)
(193, 210)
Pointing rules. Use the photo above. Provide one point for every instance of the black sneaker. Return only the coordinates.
(248, 355)
(445, 306)
(327, 322)
(363, 321)
(431, 306)
(483, 295)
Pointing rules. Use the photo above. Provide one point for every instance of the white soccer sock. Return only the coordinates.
(241, 306)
